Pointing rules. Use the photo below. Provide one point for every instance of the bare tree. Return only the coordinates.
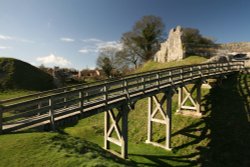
(126, 58)
(107, 60)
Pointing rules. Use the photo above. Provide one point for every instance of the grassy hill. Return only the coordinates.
(16, 74)
(220, 138)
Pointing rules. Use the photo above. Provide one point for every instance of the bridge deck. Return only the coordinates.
(83, 100)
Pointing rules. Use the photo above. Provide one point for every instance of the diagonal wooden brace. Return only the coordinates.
(166, 118)
(111, 122)
(185, 94)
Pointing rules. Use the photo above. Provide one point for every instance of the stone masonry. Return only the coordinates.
(172, 49)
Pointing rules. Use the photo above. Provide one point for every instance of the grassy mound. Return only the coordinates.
(16, 74)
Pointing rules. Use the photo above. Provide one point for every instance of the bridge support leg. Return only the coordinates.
(166, 118)
(51, 116)
(189, 100)
(116, 132)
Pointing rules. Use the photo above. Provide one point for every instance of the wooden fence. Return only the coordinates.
(50, 106)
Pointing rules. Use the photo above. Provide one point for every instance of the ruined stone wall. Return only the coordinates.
(161, 55)
(175, 45)
(240, 47)
(172, 49)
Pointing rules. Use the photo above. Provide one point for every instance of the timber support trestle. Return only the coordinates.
(116, 130)
(189, 99)
(166, 118)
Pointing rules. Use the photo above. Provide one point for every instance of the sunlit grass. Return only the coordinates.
(151, 65)
(9, 94)
(219, 138)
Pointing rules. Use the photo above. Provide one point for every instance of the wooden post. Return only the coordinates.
(200, 71)
(125, 84)
(81, 101)
(198, 98)
(191, 72)
(124, 149)
(158, 82)
(170, 77)
(207, 71)
(169, 120)
(105, 96)
(39, 106)
(180, 98)
(106, 129)
(143, 83)
(181, 73)
(150, 109)
(51, 115)
(65, 99)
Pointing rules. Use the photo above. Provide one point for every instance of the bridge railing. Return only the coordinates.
(51, 105)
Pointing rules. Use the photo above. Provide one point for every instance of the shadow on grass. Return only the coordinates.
(225, 124)
(228, 122)
(244, 87)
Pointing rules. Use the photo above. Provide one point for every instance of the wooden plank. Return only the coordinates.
(188, 107)
(159, 121)
(27, 114)
(114, 141)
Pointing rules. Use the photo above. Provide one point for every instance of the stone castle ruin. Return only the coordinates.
(172, 49)
(176, 47)
(239, 47)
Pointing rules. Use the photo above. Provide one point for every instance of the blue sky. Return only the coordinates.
(69, 33)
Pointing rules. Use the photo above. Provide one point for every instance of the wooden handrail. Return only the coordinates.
(104, 92)
(40, 94)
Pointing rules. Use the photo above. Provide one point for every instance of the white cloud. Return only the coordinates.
(24, 40)
(5, 37)
(92, 40)
(114, 44)
(4, 47)
(53, 60)
(64, 39)
(93, 45)
(84, 50)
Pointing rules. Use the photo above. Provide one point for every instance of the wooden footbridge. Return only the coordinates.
(116, 97)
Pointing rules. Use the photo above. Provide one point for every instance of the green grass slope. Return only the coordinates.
(220, 138)
(151, 65)
(16, 74)
(53, 149)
